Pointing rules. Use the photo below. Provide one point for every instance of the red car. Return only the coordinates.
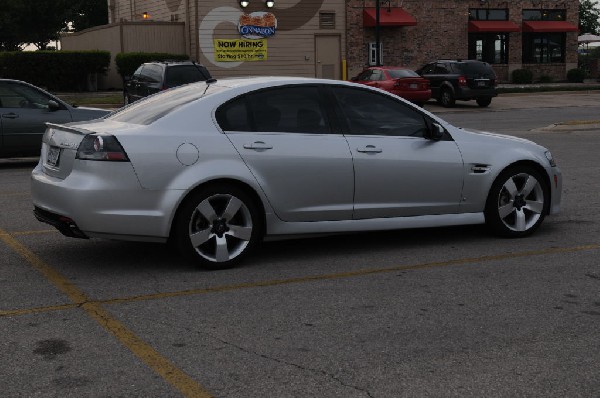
(403, 82)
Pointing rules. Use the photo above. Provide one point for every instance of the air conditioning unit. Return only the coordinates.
(373, 54)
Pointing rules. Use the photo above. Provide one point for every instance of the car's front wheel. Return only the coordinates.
(218, 226)
(518, 202)
(484, 101)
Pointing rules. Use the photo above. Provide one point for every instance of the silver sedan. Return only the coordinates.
(215, 167)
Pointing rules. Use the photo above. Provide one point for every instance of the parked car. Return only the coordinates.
(463, 80)
(153, 77)
(403, 82)
(24, 110)
(215, 167)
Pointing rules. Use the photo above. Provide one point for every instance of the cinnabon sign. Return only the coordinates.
(257, 25)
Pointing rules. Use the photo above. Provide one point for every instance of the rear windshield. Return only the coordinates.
(474, 68)
(150, 109)
(399, 73)
(178, 75)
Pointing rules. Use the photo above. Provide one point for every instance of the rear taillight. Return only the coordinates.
(101, 147)
(462, 81)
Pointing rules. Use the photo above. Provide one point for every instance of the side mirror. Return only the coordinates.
(53, 106)
(435, 131)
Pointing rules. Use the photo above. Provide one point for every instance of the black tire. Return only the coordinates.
(518, 202)
(484, 101)
(226, 223)
(447, 98)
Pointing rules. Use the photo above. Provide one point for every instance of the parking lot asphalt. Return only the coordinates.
(443, 312)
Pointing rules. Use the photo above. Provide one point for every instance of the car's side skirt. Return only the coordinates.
(278, 227)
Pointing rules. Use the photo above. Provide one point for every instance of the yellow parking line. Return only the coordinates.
(165, 368)
(39, 232)
(315, 278)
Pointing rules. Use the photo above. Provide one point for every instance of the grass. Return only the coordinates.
(86, 99)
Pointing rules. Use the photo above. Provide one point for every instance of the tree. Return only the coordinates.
(589, 17)
(32, 21)
(42, 20)
(88, 13)
(9, 28)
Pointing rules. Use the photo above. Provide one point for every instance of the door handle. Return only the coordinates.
(11, 115)
(369, 149)
(258, 145)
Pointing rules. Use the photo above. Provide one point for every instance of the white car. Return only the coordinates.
(214, 167)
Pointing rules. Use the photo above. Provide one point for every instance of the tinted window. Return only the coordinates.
(138, 71)
(288, 109)
(369, 113)
(365, 75)
(399, 73)
(183, 74)
(441, 69)
(377, 75)
(233, 116)
(475, 68)
(15, 95)
(152, 73)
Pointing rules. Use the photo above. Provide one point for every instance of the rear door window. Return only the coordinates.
(183, 74)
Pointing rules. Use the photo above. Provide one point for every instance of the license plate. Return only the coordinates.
(53, 156)
(414, 85)
(481, 84)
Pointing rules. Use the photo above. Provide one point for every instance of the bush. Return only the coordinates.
(576, 75)
(54, 70)
(546, 79)
(522, 76)
(127, 63)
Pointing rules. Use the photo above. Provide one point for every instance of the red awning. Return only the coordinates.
(493, 26)
(549, 26)
(394, 17)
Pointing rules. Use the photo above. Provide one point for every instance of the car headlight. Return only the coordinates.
(550, 158)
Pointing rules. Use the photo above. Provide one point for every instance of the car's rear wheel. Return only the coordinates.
(447, 98)
(484, 101)
(518, 202)
(218, 226)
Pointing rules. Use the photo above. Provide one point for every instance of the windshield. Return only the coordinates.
(154, 107)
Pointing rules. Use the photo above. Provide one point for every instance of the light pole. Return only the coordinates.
(377, 38)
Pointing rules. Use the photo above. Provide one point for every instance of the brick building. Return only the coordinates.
(529, 34)
(336, 38)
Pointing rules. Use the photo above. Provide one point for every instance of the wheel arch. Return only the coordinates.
(255, 197)
(527, 163)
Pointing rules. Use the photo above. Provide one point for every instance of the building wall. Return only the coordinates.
(442, 32)
(127, 37)
(291, 50)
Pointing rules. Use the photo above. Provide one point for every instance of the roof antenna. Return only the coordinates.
(208, 83)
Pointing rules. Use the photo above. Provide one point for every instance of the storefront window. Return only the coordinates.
(488, 14)
(544, 15)
(544, 48)
(489, 47)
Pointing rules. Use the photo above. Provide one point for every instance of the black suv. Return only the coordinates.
(452, 80)
(153, 77)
